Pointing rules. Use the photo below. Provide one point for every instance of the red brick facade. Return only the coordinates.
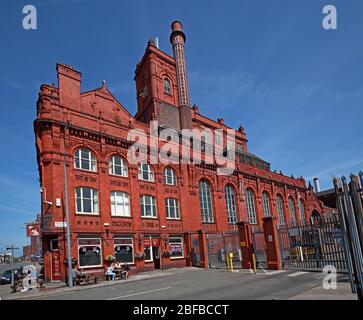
(99, 123)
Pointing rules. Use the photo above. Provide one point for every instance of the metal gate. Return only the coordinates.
(219, 245)
(195, 251)
(259, 246)
(312, 246)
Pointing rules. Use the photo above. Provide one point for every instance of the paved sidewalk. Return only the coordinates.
(342, 292)
(54, 288)
(5, 290)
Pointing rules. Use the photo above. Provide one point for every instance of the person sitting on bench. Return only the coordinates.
(125, 271)
(110, 273)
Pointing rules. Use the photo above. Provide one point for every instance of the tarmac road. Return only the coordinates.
(214, 284)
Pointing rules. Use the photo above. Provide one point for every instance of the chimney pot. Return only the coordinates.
(176, 26)
(316, 185)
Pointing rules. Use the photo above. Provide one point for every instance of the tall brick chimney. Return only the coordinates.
(69, 84)
(177, 38)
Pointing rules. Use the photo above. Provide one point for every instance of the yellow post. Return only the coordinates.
(254, 262)
(230, 255)
(227, 260)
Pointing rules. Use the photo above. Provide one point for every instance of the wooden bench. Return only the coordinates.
(84, 279)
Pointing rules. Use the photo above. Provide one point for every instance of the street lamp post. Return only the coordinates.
(70, 275)
(12, 248)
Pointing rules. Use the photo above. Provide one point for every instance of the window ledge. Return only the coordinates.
(90, 267)
(117, 176)
(150, 181)
(124, 217)
(84, 170)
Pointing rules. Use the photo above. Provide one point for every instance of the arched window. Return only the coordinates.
(169, 176)
(120, 204)
(117, 166)
(292, 211)
(167, 86)
(315, 217)
(172, 208)
(145, 172)
(231, 204)
(280, 209)
(302, 211)
(205, 198)
(85, 160)
(266, 204)
(86, 200)
(251, 208)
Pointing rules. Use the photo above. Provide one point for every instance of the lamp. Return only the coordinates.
(43, 189)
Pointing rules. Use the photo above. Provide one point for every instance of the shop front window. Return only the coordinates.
(89, 253)
(148, 253)
(124, 250)
(176, 247)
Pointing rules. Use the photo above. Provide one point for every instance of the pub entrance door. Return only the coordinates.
(55, 261)
(156, 256)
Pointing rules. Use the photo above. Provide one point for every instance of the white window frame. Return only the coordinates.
(167, 88)
(251, 206)
(182, 245)
(94, 200)
(113, 165)
(266, 204)
(143, 205)
(170, 174)
(132, 245)
(120, 201)
(206, 202)
(175, 205)
(92, 162)
(291, 204)
(280, 209)
(88, 245)
(231, 207)
(302, 210)
(151, 251)
(149, 172)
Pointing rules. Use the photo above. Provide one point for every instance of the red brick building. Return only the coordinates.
(143, 213)
(27, 252)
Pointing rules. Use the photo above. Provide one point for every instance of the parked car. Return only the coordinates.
(6, 277)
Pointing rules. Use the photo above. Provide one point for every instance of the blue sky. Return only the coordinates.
(266, 65)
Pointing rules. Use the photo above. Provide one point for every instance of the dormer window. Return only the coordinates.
(167, 86)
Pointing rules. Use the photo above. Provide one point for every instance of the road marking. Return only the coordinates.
(139, 293)
(295, 274)
(270, 273)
